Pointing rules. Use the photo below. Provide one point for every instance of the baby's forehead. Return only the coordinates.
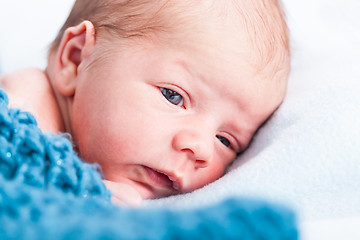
(259, 22)
(225, 31)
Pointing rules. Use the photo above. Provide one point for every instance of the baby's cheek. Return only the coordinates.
(206, 176)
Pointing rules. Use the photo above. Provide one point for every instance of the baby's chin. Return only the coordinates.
(132, 194)
(134, 182)
(123, 194)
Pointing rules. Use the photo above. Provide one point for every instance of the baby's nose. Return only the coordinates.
(199, 146)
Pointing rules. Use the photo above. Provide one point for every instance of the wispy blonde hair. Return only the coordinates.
(133, 19)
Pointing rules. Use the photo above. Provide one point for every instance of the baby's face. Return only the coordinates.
(165, 120)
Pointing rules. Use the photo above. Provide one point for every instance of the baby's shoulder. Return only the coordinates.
(30, 77)
(30, 90)
(22, 85)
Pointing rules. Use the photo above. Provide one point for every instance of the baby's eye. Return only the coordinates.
(224, 141)
(172, 96)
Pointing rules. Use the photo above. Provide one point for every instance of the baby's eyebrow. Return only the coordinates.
(184, 66)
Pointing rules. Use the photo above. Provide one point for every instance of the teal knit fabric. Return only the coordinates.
(48, 192)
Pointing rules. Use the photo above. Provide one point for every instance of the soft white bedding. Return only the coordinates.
(307, 156)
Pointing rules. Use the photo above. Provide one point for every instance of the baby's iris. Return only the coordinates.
(224, 140)
(172, 96)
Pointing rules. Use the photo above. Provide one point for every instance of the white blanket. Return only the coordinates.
(308, 155)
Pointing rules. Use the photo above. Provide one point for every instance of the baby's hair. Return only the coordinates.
(123, 18)
(268, 31)
(134, 19)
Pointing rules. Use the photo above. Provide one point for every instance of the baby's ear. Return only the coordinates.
(75, 48)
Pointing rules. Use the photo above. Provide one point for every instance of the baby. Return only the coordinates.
(162, 94)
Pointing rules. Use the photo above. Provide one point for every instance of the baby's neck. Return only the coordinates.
(30, 90)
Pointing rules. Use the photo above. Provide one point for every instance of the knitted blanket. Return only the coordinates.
(48, 192)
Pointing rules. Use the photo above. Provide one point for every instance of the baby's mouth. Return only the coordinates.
(162, 179)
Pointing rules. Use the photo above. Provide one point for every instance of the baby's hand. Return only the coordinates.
(123, 194)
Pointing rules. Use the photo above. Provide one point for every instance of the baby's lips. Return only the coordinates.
(173, 178)
(176, 182)
(176, 186)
